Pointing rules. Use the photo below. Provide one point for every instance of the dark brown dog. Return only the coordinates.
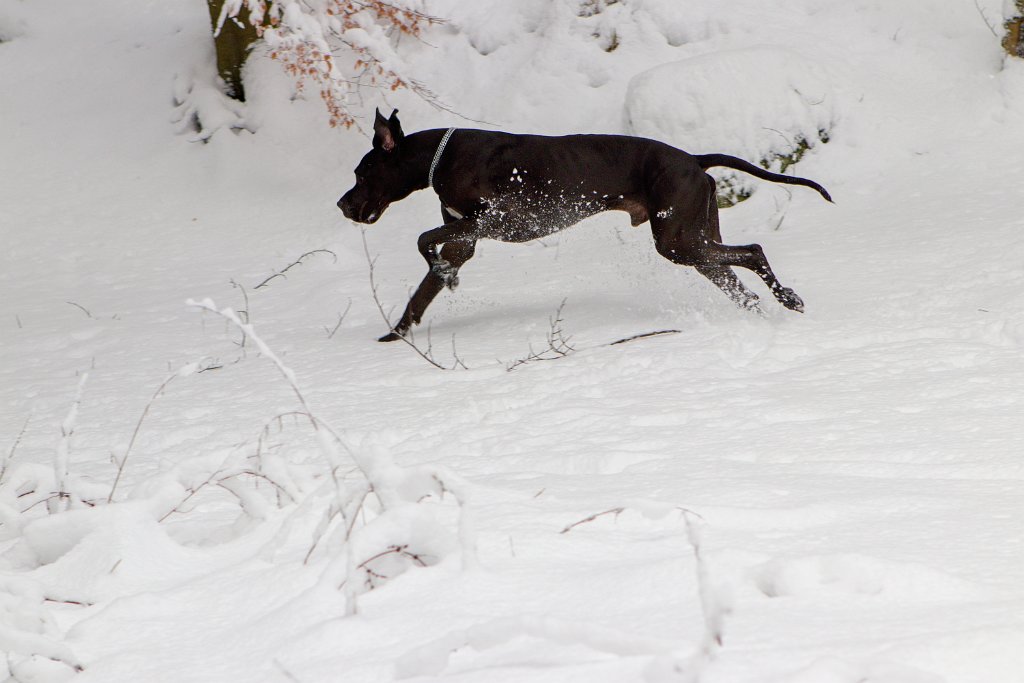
(516, 188)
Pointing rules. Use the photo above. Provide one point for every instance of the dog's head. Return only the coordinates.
(382, 176)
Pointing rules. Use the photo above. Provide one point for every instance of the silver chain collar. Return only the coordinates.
(437, 156)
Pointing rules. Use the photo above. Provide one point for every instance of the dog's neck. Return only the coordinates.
(420, 149)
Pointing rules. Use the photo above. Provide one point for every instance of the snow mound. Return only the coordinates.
(761, 104)
(852, 574)
(835, 670)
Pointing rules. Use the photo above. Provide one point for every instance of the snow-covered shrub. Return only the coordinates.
(28, 631)
(377, 521)
(200, 107)
(768, 105)
(305, 37)
(356, 517)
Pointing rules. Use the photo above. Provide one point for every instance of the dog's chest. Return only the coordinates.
(454, 213)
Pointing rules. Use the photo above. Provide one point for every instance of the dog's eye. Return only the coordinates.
(360, 180)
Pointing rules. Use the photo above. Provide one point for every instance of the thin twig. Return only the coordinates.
(265, 431)
(290, 378)
(135, 433)
(586, 520)
(296, 262)
(243, 314)
(68, 602)
(14, 447)
(782, 211)
(318, 534)
(63, 454)
(350, 520)
(371, 262)
(984, 18)
(644, 336)
(191, 492)
(401, 550)
(455, 354)
(558, 343)
(341, 319)
(257, 475)
(433, 100)
(82, 308)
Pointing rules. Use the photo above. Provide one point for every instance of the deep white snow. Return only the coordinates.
(836, 496)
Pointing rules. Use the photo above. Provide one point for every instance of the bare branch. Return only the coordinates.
(371, 262)
(257, 475)
(243, 314)
(401, 550)
(558, 344)
(62, 457)
(341, 319)
(644, 336)
(184, 370)
(457, 362)
(296, 262)
(14, 447)
(82, 308)
(586, 520)
(984, 17)
(191, 492)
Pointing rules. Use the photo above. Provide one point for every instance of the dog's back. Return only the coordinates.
(541, 184)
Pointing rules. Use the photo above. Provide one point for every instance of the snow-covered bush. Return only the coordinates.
(200, 106)
(355, 517)
(306, 36)
(767, 104)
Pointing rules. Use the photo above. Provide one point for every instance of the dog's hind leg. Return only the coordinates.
(688, 238)
(722, 276)
(751, 257)
(726, 280)
(712, 259)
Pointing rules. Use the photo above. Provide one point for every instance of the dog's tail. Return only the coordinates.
(706, 161)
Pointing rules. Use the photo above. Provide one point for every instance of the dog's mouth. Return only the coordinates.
(362, 212)
(369, 214)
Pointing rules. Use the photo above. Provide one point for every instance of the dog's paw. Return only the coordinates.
(788, 298)
(448, 273)
(394, 335)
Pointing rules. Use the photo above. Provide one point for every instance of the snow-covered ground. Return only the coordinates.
(852, 476)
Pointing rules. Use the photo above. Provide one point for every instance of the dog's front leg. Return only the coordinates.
(456, 253)
(459, 232)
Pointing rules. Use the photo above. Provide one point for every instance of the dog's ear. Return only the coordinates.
(387, 133)
(396, 127)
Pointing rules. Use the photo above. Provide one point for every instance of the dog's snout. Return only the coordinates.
(346, 207)
(358, 209)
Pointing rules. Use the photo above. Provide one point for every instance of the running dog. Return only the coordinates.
(516, 188)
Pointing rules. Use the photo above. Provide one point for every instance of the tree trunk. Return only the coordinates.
(1013, 41)
(232, 44)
